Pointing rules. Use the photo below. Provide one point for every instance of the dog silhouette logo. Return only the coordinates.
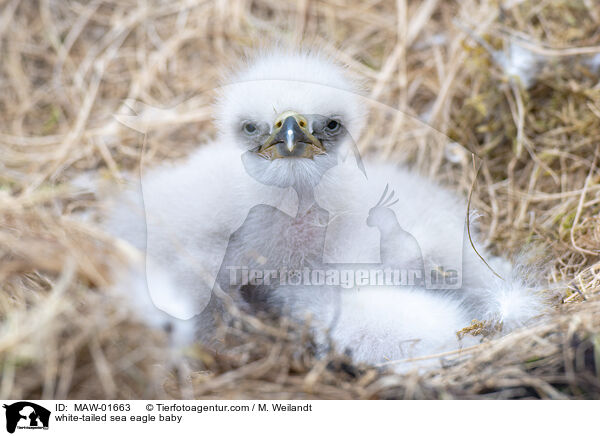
(26, 415)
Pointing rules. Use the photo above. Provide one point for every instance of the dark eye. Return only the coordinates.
(249, 128)
(333, 126)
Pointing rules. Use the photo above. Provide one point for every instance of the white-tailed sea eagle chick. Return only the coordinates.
(265, 196)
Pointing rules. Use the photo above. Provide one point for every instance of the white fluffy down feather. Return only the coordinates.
(226, 203)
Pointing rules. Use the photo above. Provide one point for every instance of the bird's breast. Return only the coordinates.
(271, 239)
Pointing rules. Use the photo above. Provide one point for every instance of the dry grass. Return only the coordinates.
(68, 66)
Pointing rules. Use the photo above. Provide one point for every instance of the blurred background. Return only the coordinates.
(517, 82)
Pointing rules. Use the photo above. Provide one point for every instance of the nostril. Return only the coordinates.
(302, 123)
(278, 124)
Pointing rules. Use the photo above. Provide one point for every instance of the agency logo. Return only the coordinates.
(26, 415)
(329, 220)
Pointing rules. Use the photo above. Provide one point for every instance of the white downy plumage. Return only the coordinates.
(228, 206)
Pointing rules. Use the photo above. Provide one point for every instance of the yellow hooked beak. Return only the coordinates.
(291, 138)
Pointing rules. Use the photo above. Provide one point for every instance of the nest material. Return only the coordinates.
(68, 67)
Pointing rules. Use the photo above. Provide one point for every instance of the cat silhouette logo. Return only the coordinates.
(26, 415)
